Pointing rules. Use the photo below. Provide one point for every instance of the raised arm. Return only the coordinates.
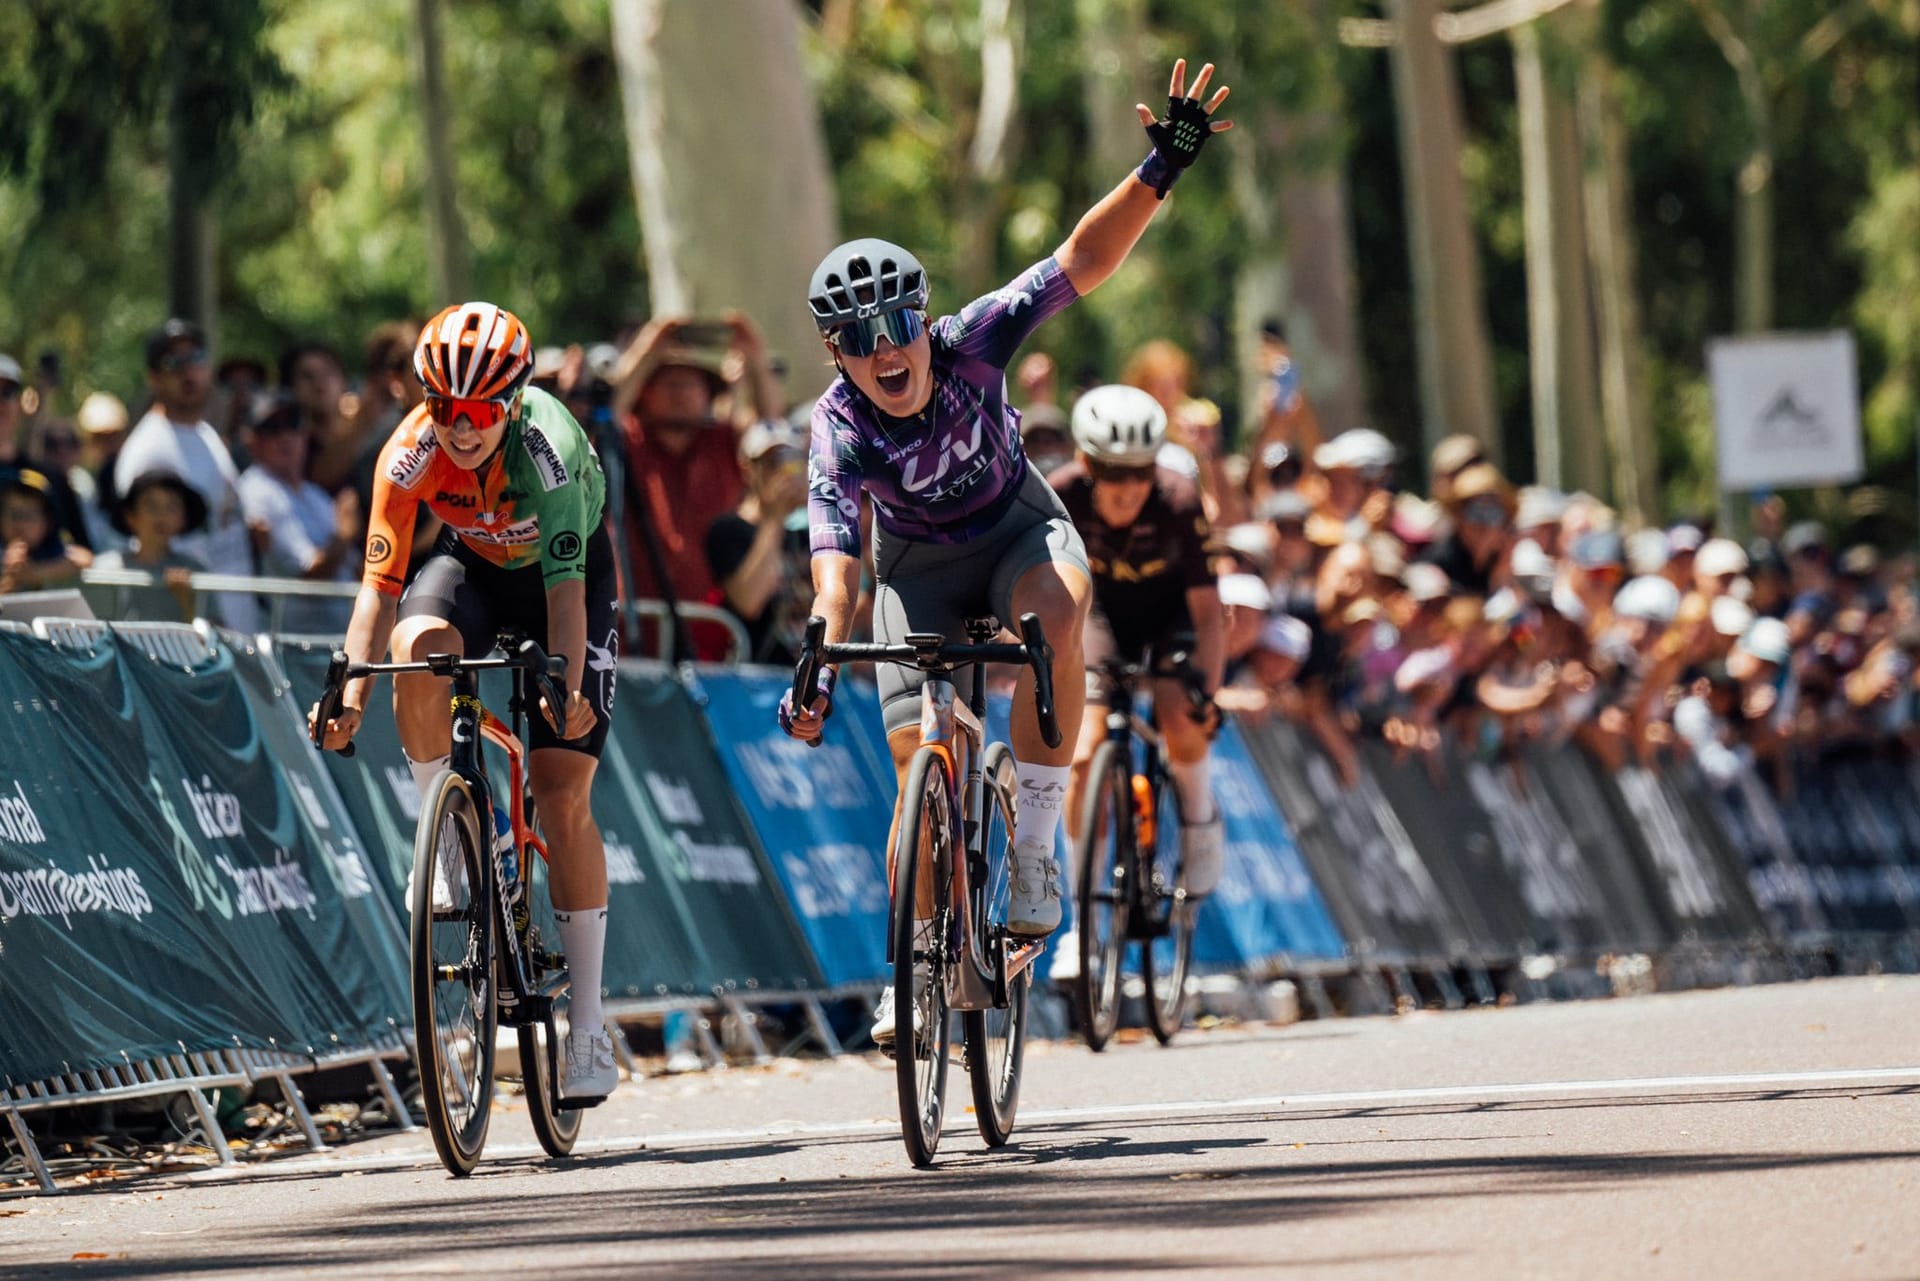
(1106, 233)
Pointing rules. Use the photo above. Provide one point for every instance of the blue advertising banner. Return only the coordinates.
(821, 813)
(1267, 907)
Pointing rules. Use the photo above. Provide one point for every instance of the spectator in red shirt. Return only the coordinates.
(680, 406)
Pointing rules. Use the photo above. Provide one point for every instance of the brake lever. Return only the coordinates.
(806, 672)
(1040, 658)
(332, 700)
(549, 670)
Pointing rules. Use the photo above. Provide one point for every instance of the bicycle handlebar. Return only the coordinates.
(931, 652)
(1176, 665)
(546, 670)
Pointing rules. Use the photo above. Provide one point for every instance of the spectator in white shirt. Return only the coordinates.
(306, 533)
(175, 436)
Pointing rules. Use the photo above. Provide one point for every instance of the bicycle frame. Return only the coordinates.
(958, 732)
(472, 725)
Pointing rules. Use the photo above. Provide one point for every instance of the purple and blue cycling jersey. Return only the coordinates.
(952, 471)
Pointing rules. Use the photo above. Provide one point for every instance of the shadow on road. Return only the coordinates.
(719, 1227)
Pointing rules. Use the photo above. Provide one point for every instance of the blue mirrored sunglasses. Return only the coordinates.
(862, 337)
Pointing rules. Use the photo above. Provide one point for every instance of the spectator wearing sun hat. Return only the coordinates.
(34, 553)
(1481, 507)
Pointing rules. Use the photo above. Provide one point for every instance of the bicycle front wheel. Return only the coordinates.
(922, 931)
(453, 945)
(541, 1069)
(1106, 845)
(997, 1039)
(1165, 959)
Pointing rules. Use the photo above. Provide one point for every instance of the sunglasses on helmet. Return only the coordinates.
(482, 414)
(862, 337)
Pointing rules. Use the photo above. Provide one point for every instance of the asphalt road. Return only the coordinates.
(1764, 1132)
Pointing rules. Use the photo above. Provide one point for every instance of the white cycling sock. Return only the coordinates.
(583, 937)
(1196, 793)
(424, 772)
(1038, 805)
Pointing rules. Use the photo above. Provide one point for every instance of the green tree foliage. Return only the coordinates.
(314, 166)
(319, 196)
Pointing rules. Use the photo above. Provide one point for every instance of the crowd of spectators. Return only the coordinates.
(1487, 614)
(1482, 612)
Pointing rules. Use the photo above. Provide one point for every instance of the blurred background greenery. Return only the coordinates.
(278, 144)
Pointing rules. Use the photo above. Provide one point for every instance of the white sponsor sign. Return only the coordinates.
(1786, 410)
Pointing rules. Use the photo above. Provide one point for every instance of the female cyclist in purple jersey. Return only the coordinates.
(963, 524)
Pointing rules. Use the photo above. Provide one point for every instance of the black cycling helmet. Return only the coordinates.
(865, 278)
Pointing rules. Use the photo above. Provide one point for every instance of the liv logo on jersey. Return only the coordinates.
(409, 467)
(546, 459)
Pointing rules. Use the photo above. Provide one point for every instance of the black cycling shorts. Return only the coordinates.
(479, 598)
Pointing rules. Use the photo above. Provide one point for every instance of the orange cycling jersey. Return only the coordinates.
(535, 502)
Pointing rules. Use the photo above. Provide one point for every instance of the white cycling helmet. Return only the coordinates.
(1119, 424)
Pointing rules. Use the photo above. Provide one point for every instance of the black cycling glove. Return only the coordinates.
(1177, 140)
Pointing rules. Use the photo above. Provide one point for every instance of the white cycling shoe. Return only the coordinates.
(1203, 856)
(884, 1031)
(590, 1070)
(1034, 909)
(1066, 958)
(442, 884)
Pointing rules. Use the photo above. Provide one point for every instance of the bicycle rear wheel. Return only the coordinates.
(996, 1040)
(1164, 960)
(555, 1127)
(1106, 844)
(454, 1017)
(924, 1035)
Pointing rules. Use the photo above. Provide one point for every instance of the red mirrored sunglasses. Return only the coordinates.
(482, 414)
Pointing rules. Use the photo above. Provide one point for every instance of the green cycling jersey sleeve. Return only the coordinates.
(555, 466)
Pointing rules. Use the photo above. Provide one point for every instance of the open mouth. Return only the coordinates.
(894, 381)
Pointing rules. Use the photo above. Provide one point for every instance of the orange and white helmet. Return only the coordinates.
(474, 351)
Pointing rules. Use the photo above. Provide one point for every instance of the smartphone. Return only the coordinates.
(705, 333)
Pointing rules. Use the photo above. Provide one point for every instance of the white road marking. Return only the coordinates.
(1707, 1085)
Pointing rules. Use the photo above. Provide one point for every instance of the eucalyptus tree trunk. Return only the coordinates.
(1569, 449)
(729, 165)
(447, 259)
(1455, 354)
(1624, 401)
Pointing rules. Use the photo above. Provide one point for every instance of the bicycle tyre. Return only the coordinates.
(1165, 961)
(996, 1040)
(452, 962)
(1106, 845)
(920, 1054)
(557, 1128)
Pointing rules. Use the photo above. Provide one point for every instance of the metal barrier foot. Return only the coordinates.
(822, 1030)
(210, 1127)
(31, 1152)
(298, 1106)
(396, 1107)
(749, 1025)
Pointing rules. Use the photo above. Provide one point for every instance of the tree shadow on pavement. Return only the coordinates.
(978, 1211)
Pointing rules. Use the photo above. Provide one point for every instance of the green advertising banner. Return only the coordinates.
(101, 953)
(301, 910)
(712, 868)
(127, 930)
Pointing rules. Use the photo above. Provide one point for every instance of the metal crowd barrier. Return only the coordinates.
(276, 590)
(186, 645)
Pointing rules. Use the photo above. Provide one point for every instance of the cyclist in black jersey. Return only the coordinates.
(1148, 547)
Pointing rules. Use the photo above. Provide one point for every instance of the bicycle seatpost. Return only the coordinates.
(1040, 658)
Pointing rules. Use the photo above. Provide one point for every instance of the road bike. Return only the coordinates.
(947, 938)
(1128, 888)
(476, 956)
